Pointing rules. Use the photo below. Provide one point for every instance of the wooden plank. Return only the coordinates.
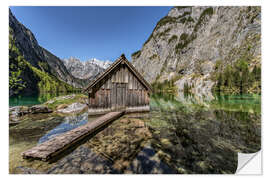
(117, 96)
(126, 74)
(114, 96)
(99, 99)
(102, 86)
(135, 83)
(140, 97)
(118, 76)
(125, 95)
(110, 83)
(104, 97)
(128, 95)
(131, 98)
(144, 97)
(106, 84)
(147, 98)
(96, 100)
(123, 74)
(92, 102)
(113, 77)
(109, 99)
(136, 97)
(130, 81)
(58, 144)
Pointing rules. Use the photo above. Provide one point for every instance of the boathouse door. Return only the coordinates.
(121, 94)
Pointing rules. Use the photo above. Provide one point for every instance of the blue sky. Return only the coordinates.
(90, 32)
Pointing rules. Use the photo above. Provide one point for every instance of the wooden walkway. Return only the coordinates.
(60, 143)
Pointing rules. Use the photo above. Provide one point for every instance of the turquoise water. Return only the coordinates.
(204, 134)
(32, 99)
(69, 123)
(189, 134)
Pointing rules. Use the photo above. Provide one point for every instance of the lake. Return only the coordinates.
(181, 134)
(33, 99)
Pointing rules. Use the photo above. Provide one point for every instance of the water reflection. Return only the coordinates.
(181, 134)
(195, 138)
(69, 123)
(29, 100)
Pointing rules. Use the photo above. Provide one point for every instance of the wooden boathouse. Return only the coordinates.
(120, 87)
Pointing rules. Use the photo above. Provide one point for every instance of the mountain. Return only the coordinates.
(204, 48)
(33, 68)
(100, 63)
(86, 69)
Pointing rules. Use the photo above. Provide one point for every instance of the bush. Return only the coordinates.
(238, 78)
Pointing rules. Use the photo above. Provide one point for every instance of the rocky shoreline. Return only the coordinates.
(64, 104)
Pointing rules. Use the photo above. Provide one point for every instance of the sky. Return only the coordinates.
(90, 32)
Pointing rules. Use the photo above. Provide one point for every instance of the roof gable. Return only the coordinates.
(122, 59)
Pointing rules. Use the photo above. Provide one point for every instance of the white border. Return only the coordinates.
(4, 73)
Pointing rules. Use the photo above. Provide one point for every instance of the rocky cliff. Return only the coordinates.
(86, 69)
(36, 55)
(186, 44)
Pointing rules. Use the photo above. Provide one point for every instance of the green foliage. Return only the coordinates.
(136, 54)
(23, 77)
(184, 36)
(165, 20)
(49, 83)
(15, 82)
(17, 66)
(166, 86)
(66, 101)
(208, 12)
(238, 78)
(168, 19)
(187, 88)
(43, 66)
(185, 39)
(187, 19)
(153, 56)
(218, 64)
(182, 7)
(164, 33)
(174, 37)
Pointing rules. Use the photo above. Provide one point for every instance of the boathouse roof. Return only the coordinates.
(121, 60)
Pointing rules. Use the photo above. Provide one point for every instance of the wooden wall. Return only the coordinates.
(118, 90)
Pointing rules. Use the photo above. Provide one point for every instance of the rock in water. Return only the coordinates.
(75, 107)
(39, 109)
(16, 112)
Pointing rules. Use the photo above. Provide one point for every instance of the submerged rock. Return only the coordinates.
(39, 109)
(147, 161)
(17, 111)
(27, 170)
(75, 107)
(71, 96)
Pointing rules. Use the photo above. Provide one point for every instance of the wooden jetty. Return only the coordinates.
(62, 142)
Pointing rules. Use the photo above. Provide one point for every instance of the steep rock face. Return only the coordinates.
(186, 44)
(36, 55)
(85, 69)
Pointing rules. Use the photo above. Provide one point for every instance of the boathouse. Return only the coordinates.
(119, 87)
